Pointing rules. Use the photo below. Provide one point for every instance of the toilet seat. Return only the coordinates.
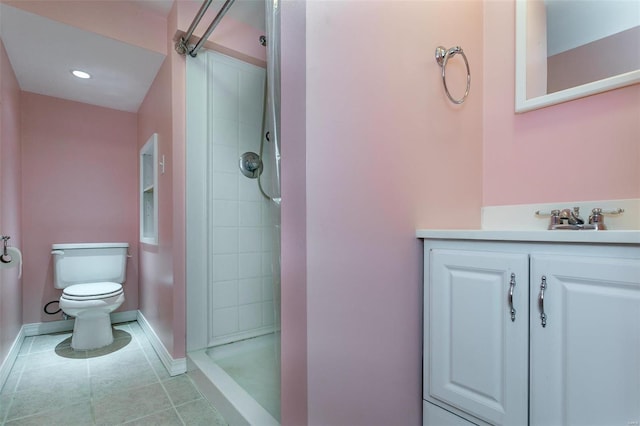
(92, 291)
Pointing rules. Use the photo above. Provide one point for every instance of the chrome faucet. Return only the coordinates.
(571, 219)
(572, 216)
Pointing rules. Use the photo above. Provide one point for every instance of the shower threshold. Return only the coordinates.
(233, 402)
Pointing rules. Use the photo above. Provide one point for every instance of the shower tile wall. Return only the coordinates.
(240, 274)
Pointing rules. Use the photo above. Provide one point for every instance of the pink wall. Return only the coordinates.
(293, 286)
(79, 184)
(230, 35)
(121, 20)
(582, 150)
(156, 262)
(10, 203)
(386, 153)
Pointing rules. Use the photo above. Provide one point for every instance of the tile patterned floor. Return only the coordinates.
(125, 383)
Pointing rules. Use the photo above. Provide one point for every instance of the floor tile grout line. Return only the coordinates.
(149, 415)
(28, 351)
(24, 368)
(93, 398)
(144, 353)
(23, 356)
(92, 408)
(39, 413)
(87, 367)
(197, 389)
(49, 345)
(179, 416)
(6, 414)
(155, 412)
(19, 378)
(173, 406)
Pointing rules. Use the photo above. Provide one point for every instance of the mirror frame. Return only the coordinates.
(523, 104)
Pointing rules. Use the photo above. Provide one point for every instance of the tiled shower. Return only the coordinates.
(241, 253)
(232, 255)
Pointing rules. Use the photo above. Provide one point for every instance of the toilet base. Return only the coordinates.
(92, 331)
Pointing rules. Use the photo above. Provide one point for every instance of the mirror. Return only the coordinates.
(568, 49)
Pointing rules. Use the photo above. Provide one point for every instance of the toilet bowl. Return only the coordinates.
(91, 277)
(91, 304)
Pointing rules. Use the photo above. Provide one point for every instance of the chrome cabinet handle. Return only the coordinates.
(543, 316)
(512, 284)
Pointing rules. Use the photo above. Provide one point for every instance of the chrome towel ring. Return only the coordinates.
(442, 56)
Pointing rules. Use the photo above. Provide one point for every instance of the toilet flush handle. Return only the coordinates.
(57, 252)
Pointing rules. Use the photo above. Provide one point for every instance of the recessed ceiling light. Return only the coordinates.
(80, 74)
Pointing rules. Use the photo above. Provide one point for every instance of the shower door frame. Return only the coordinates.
(234, 403)
(201, 199)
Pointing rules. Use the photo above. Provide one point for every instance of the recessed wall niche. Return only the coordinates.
(149, 191)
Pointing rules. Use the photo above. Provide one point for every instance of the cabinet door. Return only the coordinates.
(585, 362)
(477, 354)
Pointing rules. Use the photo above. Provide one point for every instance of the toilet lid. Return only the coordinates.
(92, 291)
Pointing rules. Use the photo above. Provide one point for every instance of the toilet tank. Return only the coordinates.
(89, 263)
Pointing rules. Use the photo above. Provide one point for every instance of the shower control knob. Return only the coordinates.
(250, 165)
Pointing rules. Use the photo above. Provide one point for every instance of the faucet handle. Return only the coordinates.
(608, 212)
(554, 215)
(554, 212)
(597, 217)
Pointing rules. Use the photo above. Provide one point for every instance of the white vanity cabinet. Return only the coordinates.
(488, 359)
(478, 355)
(585, 361)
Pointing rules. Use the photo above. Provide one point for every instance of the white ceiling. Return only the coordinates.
(42, 52)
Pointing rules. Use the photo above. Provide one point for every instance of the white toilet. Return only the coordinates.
(91, 276)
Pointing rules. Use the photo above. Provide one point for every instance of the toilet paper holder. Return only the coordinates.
(5, 257)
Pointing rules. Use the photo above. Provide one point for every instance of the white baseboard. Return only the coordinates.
(173, 366)
(8, 362)
(36, 329)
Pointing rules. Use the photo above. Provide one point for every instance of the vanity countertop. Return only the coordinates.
(557, 236)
